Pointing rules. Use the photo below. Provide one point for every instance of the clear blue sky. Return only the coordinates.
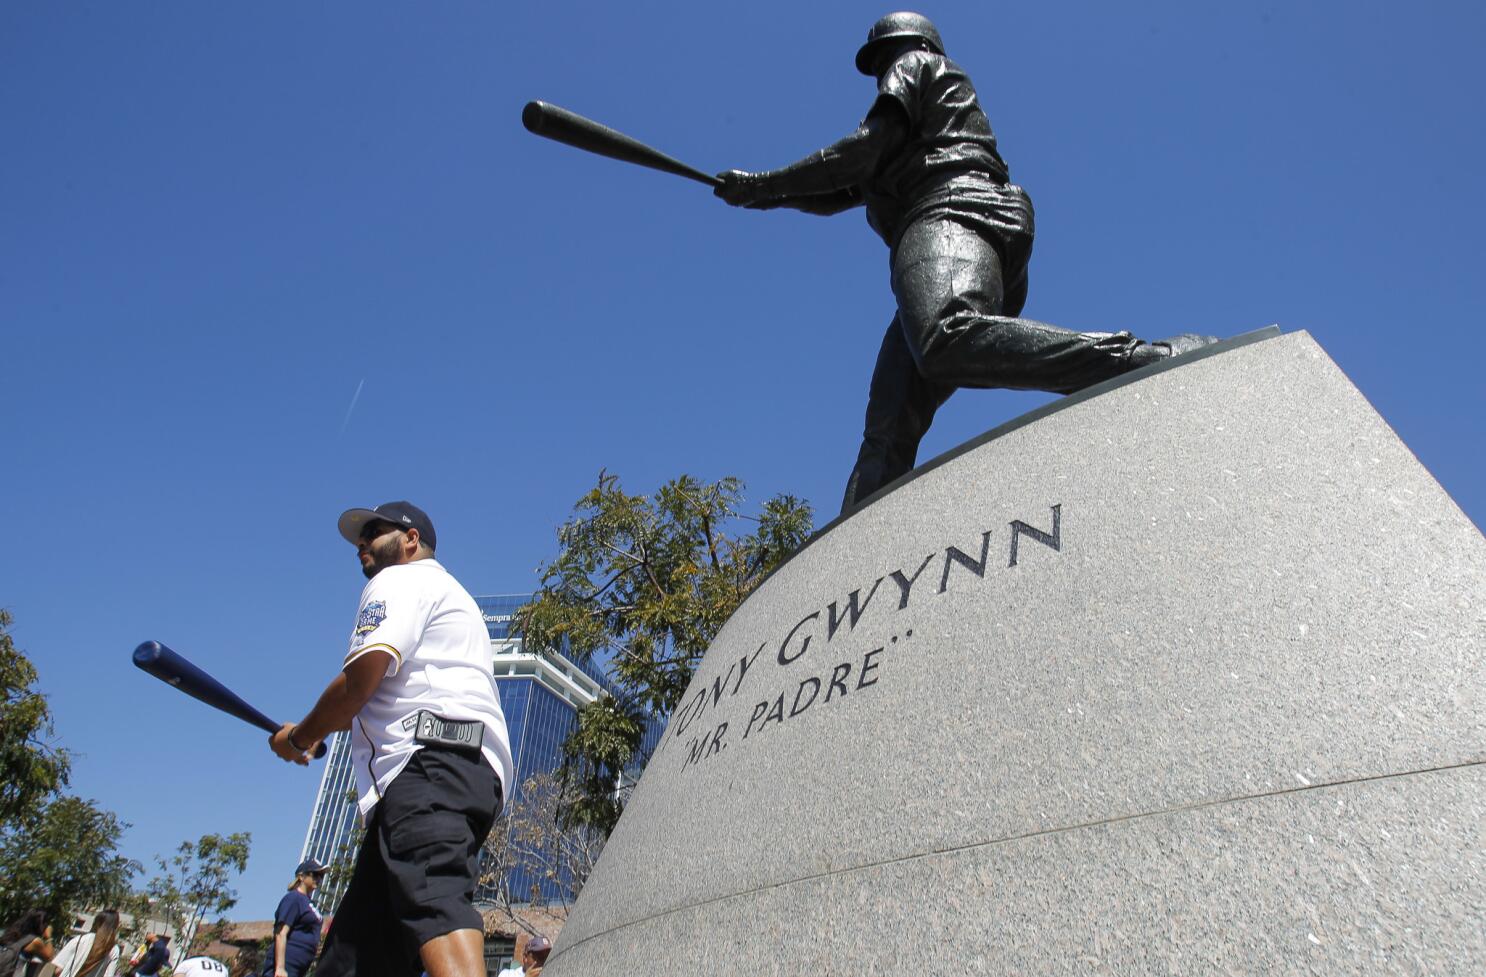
(221, 220)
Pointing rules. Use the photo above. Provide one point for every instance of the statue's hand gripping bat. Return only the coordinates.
(553, 122)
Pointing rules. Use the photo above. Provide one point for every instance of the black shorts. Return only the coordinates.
(416, 872)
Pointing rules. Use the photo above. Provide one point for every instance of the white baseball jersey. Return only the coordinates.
(200, 967)
(441, 660)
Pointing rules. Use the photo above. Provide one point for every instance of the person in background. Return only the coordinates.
(535, 955)
(157, 956)
(127, 970)
(28, 938)
(92, 954)
(200, 967)
(296, 925)
(138, 954)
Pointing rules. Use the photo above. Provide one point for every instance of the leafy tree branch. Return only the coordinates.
(642, 584)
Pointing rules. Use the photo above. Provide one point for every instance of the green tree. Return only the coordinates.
(193, 884)
(63, 857)
(31, 768)
(56, 852)
(645, 583)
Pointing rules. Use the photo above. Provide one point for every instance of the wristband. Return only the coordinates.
(292, 730)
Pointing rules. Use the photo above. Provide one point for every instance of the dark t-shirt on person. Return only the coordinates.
(154, 958)
(303, 921)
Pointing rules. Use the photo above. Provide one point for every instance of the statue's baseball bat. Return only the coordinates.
(172, 669)
(555, 122)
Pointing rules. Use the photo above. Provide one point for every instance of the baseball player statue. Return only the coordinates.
(924, 163)
(431, 753)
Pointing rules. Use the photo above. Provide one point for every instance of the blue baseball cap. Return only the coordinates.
(309, 866)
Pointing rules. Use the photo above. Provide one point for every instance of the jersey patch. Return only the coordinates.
(373, 614)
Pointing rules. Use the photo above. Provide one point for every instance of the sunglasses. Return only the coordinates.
(373, 530)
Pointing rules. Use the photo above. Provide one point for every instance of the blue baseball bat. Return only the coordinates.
(172, 669)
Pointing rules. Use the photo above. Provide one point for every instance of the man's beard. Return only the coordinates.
(385, 553)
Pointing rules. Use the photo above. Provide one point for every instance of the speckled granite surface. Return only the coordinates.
(1150, 684)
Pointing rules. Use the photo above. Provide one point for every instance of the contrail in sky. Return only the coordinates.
(354, 397)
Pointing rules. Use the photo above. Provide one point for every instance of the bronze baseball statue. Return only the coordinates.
(925, 165)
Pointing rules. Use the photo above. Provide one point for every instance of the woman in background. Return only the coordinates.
(296, 925)
(27, 938)
(94, 954)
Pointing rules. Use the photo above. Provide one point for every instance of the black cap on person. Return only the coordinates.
(404, 515)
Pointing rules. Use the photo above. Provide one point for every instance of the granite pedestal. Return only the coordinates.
(1183, 675)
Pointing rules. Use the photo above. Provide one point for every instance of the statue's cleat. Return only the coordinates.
(1185, 343)
(1164, 349)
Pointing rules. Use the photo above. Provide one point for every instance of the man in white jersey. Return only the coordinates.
(200, 967)
(430, 750)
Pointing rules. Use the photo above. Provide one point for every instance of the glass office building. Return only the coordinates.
(540, 696)
(333, 824)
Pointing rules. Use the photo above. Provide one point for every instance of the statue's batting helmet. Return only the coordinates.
(905, 23)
